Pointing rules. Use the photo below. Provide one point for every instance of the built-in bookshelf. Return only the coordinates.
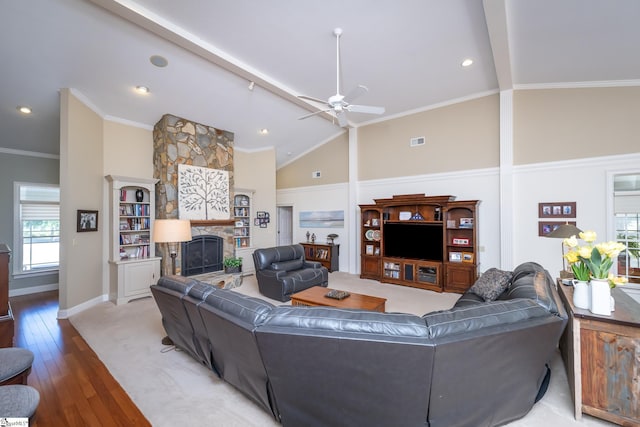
(134, 223)
(242, 216)
(133, 264)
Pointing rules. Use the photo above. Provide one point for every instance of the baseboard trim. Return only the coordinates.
(33, 290)
(66, 313)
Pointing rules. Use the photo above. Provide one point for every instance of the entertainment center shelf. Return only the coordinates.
(428, 242)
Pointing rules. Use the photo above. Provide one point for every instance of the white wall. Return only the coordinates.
(583, 181)
(319, 198)
(470, 185)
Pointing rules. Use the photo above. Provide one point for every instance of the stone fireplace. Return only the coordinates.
(181, 141)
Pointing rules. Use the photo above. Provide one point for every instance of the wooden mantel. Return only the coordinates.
(212, 222)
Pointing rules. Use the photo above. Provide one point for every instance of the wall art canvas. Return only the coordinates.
(203, 193)
(322, 219)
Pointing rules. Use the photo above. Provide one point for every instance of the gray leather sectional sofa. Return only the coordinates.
(477, 364)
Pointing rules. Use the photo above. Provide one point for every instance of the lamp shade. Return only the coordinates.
(564, 231)
(171, 230)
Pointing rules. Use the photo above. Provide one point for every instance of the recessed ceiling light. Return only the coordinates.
(24, 110)
(142, 89)
(159, 61)
(467, 62)
(263, 131)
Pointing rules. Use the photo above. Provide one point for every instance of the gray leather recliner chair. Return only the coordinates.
(283, 270)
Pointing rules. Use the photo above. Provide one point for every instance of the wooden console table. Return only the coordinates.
(601, 355)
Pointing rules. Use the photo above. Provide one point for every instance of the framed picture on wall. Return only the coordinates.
(546, 227)
(87, 221)
(557, 210)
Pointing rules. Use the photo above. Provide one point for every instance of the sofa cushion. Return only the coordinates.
(471, 318)
(531, 280)
(179, 284)
(294, 264)
(249, 309)
(491, 284)
(352, 321)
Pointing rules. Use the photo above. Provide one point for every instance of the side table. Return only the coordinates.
(602, 358)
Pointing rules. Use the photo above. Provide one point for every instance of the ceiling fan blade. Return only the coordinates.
(356, 92)
(310, 98)
(306, 116)
(365, 109)
(342, 118)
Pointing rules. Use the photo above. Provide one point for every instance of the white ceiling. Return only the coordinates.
(407, 52)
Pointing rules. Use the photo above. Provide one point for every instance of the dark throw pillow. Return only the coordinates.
(491, 284)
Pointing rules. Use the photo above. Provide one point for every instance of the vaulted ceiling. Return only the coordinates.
(407, 52)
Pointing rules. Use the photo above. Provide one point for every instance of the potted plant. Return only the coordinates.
(593, 262)
(232, 264)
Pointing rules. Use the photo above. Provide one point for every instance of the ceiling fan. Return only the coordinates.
(338, 103)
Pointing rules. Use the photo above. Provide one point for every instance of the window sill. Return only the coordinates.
(29, 274)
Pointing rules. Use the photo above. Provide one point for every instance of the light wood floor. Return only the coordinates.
(75, 387)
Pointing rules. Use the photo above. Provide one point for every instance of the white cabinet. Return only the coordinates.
(133, 264)
(132, 279)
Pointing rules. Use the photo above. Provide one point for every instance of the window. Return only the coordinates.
(627, 224)
(628, 233)
(36, 228)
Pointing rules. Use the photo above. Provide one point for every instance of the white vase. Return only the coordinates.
(581, 294)
(600, 297)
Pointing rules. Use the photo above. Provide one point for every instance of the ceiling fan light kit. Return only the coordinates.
(340, 104)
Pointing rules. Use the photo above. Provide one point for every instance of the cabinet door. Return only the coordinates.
(139, 276)
(370, 267)
(459, 278)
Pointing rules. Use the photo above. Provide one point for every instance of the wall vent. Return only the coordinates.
(315, 174)
(416, 141)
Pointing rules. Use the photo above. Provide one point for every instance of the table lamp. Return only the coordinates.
(564, 231)
(172, 231)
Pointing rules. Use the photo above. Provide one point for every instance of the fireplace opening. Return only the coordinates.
(203, 254)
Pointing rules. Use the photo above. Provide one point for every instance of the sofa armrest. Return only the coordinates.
(272, 274)
(311, 264)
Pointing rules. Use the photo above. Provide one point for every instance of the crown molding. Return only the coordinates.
(29, 153)
(577, 85)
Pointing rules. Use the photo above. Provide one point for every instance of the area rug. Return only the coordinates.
(171, 388)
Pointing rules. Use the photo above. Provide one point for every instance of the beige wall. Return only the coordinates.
(331, 159)
(458, 137)
(81, 187)
(257, 171)
(563, 124)
(128, 150)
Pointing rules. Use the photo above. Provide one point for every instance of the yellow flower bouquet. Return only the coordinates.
(593, 260)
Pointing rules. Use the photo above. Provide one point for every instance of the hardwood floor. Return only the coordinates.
(76, 389)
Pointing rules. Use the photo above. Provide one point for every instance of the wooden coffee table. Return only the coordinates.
(315, 296)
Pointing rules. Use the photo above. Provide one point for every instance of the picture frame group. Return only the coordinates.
(554, 210)
(262, 219)
(557, 210)
(546, 227)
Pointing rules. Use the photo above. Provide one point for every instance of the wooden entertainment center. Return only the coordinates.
(427, 242)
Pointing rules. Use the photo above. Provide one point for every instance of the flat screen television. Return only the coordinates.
(415, 241)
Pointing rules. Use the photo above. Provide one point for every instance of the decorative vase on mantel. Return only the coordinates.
(581, 294)
(600, 297)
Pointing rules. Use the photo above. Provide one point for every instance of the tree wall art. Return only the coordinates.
(203, 193)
